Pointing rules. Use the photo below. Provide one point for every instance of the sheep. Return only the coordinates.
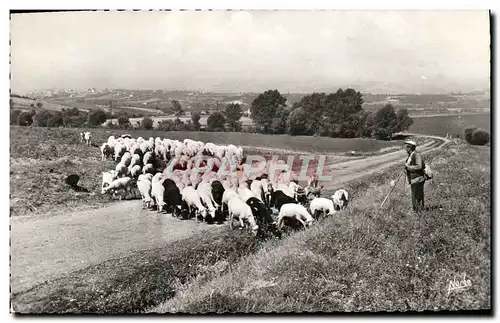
(172, 196)
(245, 193)
(228, 194)
(257, 190)
(121, 170)
(158, 191)
(87, 137)
(136, 149)
(126, 159)
(135, 171)
(120, 149)
(218, 193)
(340, 199)
(107, 179)
(144, 186)
(321, 204)
(238, 208)
(205, 192)
(278, 199)
(148, 168)
(148, 158)
(294, 211)
(261, 213)
(144, 147)
(124, 183)
(192, 199)
(135, 160)
(106, 151)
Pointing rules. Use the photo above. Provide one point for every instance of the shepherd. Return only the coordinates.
(415, 173)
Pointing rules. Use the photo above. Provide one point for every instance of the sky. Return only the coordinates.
(251, 51)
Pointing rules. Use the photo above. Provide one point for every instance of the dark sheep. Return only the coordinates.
(278, 198)
(172, 197)
(217, 193)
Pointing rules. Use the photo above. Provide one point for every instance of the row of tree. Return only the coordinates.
(338, 114)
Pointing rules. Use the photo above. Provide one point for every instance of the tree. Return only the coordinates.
(55, 119)
(196, 121)
(265, 108)
(147, 123)
(404, 121)
(216, 122)
(385, 123)
(123, 121)
(39, 105)
(233, 115)
(41, 118)
(96, 118)
(176, 107)
(25, 118)
(297, 123)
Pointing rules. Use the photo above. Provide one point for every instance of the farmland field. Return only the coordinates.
(453, 124)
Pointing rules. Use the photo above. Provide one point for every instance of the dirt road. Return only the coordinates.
(47, 247)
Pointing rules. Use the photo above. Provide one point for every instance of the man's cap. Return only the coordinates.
(411, 142)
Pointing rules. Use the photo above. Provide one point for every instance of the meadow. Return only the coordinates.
(361, 259)
(452, 124)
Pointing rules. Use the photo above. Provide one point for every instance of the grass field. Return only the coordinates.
(454, 125)
(368, 260)
(359, 260)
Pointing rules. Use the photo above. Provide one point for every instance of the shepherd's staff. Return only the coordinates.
(402, 171)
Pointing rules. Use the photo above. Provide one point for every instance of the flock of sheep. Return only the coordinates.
(211, 182)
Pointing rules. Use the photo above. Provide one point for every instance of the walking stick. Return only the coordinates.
(402, 171)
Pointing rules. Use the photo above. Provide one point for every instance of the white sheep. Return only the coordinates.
(148, 158)
(124, 183)
(192, 199)
(136, 160)
(205, 192)
(239, 209)
(148, 169)
(322, 204)
(158, 191)
(126, 159)
(107, 179)
(257, 189)
(340, 199)
(144, 186)
(121, 170)
(120, 149)
(135, 171)
(294, 211)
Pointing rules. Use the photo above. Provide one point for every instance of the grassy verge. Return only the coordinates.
(138, 281)
(369, 260)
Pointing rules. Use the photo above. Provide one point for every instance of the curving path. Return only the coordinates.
(48, 247)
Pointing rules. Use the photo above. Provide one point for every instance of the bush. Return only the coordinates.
(468, 133)
(216, 122)
(25, 119)
(479, 137)
(96, 118)
(147, 123)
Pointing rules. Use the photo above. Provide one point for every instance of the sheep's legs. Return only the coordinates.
(303, 223)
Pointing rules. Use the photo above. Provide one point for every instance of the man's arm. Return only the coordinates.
(418, 162)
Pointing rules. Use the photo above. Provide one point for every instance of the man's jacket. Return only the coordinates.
(415, 168)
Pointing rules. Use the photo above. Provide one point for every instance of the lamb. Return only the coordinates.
(340, 199)
(144, 186)
(106, 151)
(238, 208)
(294, 211)
(192, 199)
(124, 183)
(228, 194)
(321, 204)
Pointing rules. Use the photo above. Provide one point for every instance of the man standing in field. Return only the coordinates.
(415, 173)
